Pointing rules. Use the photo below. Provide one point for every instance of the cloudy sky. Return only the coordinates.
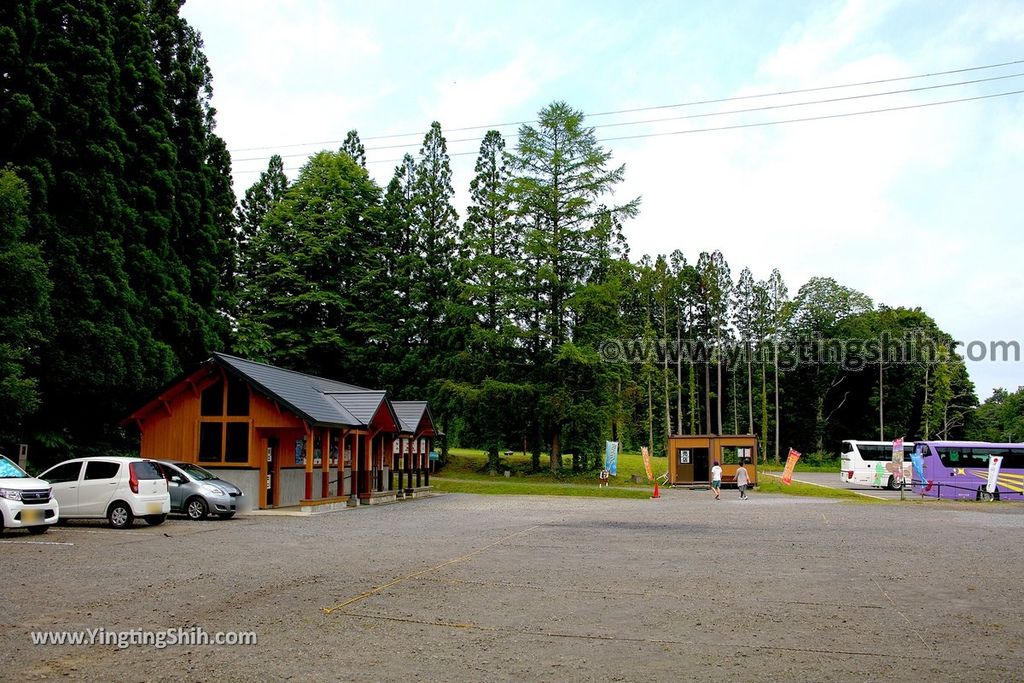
(916, 207)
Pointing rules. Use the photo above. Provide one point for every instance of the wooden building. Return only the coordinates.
(691, 457)
(288, 438)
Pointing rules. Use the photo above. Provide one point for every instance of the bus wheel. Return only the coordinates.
(893, 486)
(986, 496)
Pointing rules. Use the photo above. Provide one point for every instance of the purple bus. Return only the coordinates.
(959, 470)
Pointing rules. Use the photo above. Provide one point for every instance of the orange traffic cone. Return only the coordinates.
(656, 494)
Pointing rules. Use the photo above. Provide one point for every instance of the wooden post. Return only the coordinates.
(309, 463)
(340, 491)
(418, 458)
(325, 455)
(426, 470)
(364, 486)
(354, 493)
(399, 463)
(407, 458)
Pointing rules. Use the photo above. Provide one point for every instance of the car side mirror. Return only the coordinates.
(175, 480)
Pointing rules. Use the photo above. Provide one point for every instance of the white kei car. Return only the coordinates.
(116, 489)
(25, 502)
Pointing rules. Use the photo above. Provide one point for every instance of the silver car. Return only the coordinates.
(197, 492)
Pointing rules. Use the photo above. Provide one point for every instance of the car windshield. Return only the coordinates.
(195, 471)
(8, 470)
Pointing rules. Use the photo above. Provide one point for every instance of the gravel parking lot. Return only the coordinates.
(479, 588)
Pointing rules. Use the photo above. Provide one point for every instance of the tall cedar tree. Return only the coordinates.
(560, 175)
(400, 259)
(353, 146)
(307, 308)
(66, 140)
(483, 384)
(24, 308)
(435, 226)
(259, 199)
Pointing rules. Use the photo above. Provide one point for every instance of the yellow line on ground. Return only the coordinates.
(602, 637)
(826, 486)
(378, 589)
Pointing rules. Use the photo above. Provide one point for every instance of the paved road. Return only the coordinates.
(534, 588)
(831, 479)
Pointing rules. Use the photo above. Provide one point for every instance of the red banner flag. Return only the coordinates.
(787, 474)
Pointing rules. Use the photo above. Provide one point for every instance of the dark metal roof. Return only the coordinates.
(306, 395)
(409, 414)
(362, 405)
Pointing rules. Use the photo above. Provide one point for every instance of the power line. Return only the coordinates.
(727, 112)
(747, 125)
(656, 107)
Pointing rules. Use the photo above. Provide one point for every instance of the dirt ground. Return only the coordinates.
(478, 588)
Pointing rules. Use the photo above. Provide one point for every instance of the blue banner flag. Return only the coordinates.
(918, 461)
(611, 457)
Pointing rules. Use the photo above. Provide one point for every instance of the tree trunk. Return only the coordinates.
(750, 395)
(556, 450)
(679, 383)
(764, 406)
(692, 398)
(707, 396)
(881, 403)
(776, 363)
(927, 408)
(718, 396)
(650, 417)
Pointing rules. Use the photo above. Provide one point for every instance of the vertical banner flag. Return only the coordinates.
(787, 474)
(918, 461)
(647, 462)
(897, 460)
(611, 457)
(994, 463)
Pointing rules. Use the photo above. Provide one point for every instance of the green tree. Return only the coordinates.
(435, 227)
(820, 308)
(560, 175)
(353, 146)
(308, 308)
(24, 309)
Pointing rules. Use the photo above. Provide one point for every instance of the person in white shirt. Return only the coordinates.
(742, 480)
(716, 480)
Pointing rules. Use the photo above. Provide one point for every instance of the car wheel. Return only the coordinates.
(155, 520)
(196, 508)
(226, 515)
(42, 529)
(1, 524)
(120, 516)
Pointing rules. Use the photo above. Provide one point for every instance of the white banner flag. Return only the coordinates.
(994, 463)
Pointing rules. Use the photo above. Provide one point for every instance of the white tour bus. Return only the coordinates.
(869, 463)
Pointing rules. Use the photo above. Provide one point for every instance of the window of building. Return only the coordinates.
(210, 441)
(212, 402)
(223, 429)
(236, 444)
(238, 398)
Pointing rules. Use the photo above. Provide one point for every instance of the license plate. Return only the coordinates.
(31, 516)
(154, 508)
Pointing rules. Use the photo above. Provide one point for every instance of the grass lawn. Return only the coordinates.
(466, 472)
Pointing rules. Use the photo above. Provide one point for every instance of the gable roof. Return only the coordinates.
(303, 394)
(411, 414)
(316, 400)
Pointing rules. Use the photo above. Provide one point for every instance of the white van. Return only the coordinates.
(869, 463)
(25, 502)
(117, 489)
